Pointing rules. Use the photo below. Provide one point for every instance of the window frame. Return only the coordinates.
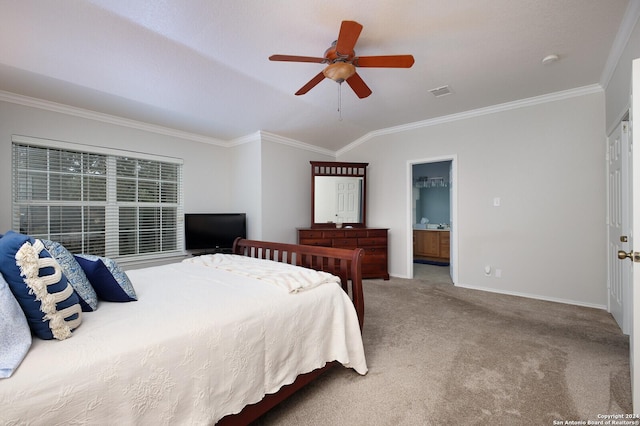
(111, 205)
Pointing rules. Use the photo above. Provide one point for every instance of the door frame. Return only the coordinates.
(453, 261)
(625, 216)
(634, 336)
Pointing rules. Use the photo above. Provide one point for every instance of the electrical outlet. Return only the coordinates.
(498, 273)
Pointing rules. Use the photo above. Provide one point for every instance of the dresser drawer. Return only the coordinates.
(357, 233)
(378, 241)
(309, 234)
(332, 234)
(374, 270)
(377, 252)
(377, 233)
(345, 242)
(326, 242)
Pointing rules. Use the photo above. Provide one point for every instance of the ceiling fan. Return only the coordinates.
(342, 61)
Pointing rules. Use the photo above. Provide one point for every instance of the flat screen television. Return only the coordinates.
(213, 232)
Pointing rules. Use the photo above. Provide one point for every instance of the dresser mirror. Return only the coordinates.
(338, 194)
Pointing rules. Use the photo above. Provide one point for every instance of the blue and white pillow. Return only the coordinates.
(15, 335)
(75, 275)
(108, 280)
(36, 280)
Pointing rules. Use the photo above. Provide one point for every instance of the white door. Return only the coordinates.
(347, 201)
(635, 220)
(619, 217)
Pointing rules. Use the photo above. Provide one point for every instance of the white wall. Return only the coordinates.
(206, 167)
(245, 182)
(286, 188)
(546, 163)
(271, 182)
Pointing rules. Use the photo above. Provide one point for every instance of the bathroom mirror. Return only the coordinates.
(338, 194)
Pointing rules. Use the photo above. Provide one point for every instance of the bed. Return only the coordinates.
(206, 342)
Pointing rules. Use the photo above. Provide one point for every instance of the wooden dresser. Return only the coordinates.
(372, 240)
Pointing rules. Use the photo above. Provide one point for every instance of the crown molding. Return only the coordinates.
(138, 125)
(262, 135)
(253, 137)
(295, 143)
(271, 137)
(522, 103)
(629, 20)
(106, 118)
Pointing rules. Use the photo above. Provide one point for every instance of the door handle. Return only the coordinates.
(634, 256)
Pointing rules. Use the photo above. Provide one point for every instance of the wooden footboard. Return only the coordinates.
(345, 263)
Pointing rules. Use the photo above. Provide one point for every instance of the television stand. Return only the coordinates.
(224, 250)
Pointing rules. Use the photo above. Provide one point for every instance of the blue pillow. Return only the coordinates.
(15, 335)
(75, 275)
(36, 280)
(108, 280)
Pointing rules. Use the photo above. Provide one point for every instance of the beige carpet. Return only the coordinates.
(441, 355)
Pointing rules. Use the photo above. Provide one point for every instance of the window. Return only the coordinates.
(92, 200)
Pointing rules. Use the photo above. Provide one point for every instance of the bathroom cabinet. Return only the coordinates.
(432, 244)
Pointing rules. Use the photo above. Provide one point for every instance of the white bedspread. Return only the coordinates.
(200, 343)
(291, 278)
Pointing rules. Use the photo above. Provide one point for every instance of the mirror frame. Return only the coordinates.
(334, 168)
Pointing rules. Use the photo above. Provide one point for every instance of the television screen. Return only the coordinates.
(213, 232)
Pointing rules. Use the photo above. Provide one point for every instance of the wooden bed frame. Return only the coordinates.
(345, 263)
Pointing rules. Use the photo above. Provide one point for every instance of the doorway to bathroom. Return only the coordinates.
(432, 215)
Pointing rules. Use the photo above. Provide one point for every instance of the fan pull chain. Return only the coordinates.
(340, 101)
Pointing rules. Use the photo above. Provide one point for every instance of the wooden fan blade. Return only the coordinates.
(311, 84)
(359, 86)
(391, 61)
(291, 58)
(347, 38)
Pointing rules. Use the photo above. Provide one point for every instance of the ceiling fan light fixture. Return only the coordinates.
(342, 62)
(339, 71)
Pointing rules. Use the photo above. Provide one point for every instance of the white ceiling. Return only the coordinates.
(201, 65)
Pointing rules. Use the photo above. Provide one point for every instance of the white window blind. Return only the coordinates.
(110, 203)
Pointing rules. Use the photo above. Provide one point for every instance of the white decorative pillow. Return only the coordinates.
(15, 335)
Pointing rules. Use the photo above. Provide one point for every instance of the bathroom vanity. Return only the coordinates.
(431, 244)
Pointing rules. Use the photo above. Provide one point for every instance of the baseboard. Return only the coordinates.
(431, 262)
(534, 296)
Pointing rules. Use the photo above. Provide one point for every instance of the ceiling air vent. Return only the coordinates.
(440, 91)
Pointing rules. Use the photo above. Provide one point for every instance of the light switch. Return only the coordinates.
(496, 202)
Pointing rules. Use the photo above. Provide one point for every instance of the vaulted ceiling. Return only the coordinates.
(201, 66)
